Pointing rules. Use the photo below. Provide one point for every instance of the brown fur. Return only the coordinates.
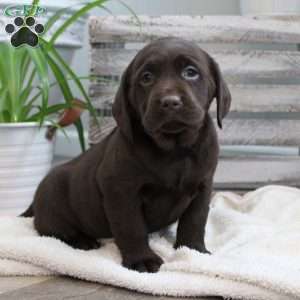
(155, 168)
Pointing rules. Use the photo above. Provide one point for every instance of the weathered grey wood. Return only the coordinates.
(111, 61)
(97, 90)
(244, 173)
(252, 172)
(260, 132)
(236, 65)
(103, 95)
(263, 132)
(97, 133)
(60, 288)
(246, 98)
(265, 98)
(207, 29)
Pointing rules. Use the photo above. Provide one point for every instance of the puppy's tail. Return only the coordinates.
(28, 213)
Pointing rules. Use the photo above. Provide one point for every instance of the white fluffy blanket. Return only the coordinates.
(255, 242)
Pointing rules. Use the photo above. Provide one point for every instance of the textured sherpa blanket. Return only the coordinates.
(255, 240)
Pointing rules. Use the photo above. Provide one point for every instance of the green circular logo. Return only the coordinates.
(24, 10)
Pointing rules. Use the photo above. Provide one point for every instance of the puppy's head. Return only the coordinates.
(168, 89)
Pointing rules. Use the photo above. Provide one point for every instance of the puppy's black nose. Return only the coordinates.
(171, 102)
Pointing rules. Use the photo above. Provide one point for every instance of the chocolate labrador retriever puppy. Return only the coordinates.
(156, 166)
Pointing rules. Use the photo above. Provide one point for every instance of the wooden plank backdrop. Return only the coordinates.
(265, 84)
(238, 132)
(236, 65)
(247, 98)
(244, 173)
(204, 29)
(239, 172)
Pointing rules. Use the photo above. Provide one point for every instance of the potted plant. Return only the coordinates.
(26, 113)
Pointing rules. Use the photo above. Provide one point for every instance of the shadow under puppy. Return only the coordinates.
(154, 168)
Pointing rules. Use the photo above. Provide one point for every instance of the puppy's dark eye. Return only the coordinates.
(190, 73)
(147, 78)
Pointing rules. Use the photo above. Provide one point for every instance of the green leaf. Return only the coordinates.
(63, 83)
(37, 95)
(106, 9)
(34, 6)
(41, 65)
(80, 131)
(6, 116)
(25, 61)
(55, 17)
(73, 76)
(56, 125)
(10, 78)
(15, 77)
(25, 94)
(31, 77)
(26, 111)
(53, 109)
(3, 93)
(37, 116)
(59, 76)
(74, 18)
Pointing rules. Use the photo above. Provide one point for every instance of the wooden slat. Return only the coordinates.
(240, 173)
(96, 133)
(260, 132)
(237, 173)
(263, 132)
(111, 61)
(252, 172)
(265, 98)
(238, 66)
(207, 29)
(99, 89)
(246, 98)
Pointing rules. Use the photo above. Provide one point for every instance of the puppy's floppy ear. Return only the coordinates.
(121, 106)
(222, 93)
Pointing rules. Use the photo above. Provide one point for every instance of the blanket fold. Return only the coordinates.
(255, 241)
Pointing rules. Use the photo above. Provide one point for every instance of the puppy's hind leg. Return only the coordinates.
(69, 235)
(63, 228)
(58, 227)
(82, 242)
(53, 216)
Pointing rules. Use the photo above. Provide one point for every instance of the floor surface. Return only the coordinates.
(62, 288)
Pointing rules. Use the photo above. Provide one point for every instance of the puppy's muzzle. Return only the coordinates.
(171, 103)
(171, 113)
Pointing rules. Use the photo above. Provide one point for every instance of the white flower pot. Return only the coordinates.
(25, 158)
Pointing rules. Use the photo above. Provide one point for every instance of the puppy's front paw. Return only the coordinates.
(200, 248)
(204, 251)
(149, 264)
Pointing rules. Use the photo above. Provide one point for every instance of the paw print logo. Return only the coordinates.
(24, 31)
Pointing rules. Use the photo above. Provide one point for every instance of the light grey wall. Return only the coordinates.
(81, 60)
(270, 6)
(179, 7)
